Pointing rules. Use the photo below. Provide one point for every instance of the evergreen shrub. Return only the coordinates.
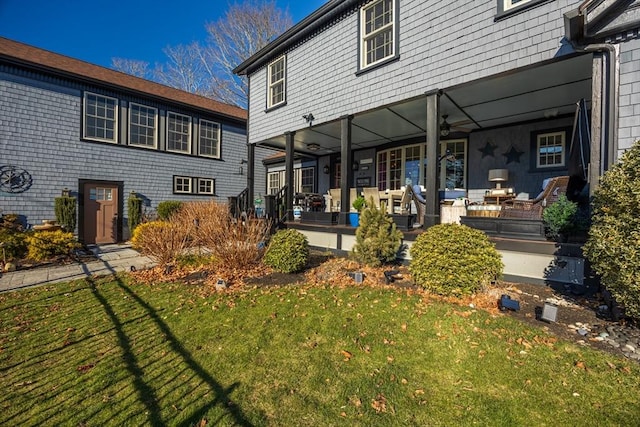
(14, 244)
(613, 245)
(134, 205)
(45, 245)
(65, 211)
(288, 251)
(168, 208)
(378, 241)
(453, 259)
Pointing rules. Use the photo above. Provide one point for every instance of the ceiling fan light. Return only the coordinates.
(445, 128)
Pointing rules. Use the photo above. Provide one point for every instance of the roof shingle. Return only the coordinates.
(24, 54)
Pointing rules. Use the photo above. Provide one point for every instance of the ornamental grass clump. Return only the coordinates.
(288, 251)
(613, 246)
(162, 241)
(378, 241)
(453, 259)
(232, 242)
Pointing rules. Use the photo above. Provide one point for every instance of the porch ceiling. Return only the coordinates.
(530, 93)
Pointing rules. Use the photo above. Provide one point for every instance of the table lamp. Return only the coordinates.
(498, 176)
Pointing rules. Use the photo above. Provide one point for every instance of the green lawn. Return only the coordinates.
(113, 352)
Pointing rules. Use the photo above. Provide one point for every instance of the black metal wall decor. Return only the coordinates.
(488, 149)
(14, 179)
(513, 155)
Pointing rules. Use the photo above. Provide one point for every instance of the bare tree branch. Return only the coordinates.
(246, 28)
(131, 66)
(207, 69)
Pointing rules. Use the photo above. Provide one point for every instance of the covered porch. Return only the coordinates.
(520, 123)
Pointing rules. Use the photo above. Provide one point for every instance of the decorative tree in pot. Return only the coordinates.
(354, 217)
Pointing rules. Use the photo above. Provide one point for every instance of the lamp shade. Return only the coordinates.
(498, 175)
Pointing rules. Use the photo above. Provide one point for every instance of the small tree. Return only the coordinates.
(134, 205)
(613, 246)
(65, 210)
(377, 238)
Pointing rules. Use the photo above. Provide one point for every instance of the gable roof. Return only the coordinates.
(25, 55)
(305, 28)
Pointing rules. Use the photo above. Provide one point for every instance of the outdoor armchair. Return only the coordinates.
(533, 208)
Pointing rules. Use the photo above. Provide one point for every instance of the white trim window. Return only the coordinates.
(510, 4)
(206, 186)
(178, 133)
(276, 82)
(273, 181)
(550, 149)
(100, 117)
(377, 32)
(182, 184)
(143, 129)
(209, 141)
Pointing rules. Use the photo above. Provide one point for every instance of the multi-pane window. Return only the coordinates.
(273, 182)
(100, 117)
(276, 84)
(509, 4)
(178, 132)
(182, 184)
(550, 149)
(100, 193)
(377, 32)
(399, 166)
(209, 142)
(307, 179)
(453, 155)
(206, 186)
(142, 125)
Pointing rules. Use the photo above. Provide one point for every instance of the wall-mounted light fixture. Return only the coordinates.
(325, 169)
(355, 165)
(241, 169)
(309, 118)
(66, 192)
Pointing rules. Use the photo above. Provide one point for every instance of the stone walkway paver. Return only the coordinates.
(111, 259)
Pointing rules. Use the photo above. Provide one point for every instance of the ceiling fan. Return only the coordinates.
(446, 127)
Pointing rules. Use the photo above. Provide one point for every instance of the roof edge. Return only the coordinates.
(305, 27)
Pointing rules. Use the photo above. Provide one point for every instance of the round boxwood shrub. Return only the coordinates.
(613, 246)
(288, 251)
(453, 259)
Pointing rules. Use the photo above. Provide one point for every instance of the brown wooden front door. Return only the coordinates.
(100, 213)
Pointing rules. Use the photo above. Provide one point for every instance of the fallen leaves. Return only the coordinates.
(347, 355)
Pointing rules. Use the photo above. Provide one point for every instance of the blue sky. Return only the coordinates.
(98, 30)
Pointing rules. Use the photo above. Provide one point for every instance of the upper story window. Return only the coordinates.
(143, 125)
(209, 141)
(276, 84)
(178, 133)
(509, 7)
(550, 149)
(377, 32)
(100, 117)
(509, 4)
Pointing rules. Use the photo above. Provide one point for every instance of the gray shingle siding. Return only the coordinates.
(441, 44)
(629, 104)
(40, 131)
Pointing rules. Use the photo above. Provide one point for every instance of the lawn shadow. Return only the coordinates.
(146, 393)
